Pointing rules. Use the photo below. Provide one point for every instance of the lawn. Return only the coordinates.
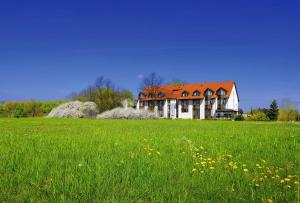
(60, 160)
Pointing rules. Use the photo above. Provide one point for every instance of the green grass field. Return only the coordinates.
(61, 160)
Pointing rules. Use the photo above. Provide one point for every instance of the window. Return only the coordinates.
(184, 106)
(142, 95)
(185, 94)
(161, 103)
(161, 94)
(196, 93)
(222, 92)
(196, 102)
(208, 93)
(141, 103)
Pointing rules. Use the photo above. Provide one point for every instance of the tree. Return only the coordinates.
(177, 82)
(18, 112)
(273, 111)
(151, 84)
(288, 112)
(104, 94)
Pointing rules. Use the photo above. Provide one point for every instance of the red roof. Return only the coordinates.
(175, 92)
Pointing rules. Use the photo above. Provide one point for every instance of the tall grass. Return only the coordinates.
(148, 161)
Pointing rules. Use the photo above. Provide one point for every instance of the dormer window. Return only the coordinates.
(161, 94)
(222, 92)
(142, 95)
(151, 95)
(185, 94)
(196, 93)
(208, 93)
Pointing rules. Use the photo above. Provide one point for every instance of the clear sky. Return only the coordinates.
(51, 48)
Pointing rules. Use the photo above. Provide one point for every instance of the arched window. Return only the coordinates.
(142, 95)
(185, 93)
(222, 92)
(196, 93)
(208, 92)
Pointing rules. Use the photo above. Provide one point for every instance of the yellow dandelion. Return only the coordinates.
(211, 168)
(257, 185)
(296, 183)
(246, 170)
(287, 180)
(158, 152)
(234, 167)
(194, 170)
(281, 181)
(265, 176)
(264, 161)
(277, 176)
(270, 200)
(244, 165)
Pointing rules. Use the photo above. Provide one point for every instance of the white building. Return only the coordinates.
(191, 101)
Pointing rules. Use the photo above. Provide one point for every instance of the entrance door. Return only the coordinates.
(196, 109)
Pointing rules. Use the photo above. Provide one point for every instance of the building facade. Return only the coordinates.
(191, 101)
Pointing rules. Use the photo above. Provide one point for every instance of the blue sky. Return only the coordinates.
(49, 49)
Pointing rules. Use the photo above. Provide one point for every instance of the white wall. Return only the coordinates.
(202, 109)
(166, 109)
(232, 102)
(186, 115)
(173, 108)
(214, 107)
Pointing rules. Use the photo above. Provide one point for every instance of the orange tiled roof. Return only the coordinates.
(175, 92)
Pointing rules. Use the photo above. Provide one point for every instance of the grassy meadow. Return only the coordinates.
(61, 160)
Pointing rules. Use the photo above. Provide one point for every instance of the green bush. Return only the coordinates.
(28, 108)
(258, 116)
(239, 118)
(19, 111)
(287, 114)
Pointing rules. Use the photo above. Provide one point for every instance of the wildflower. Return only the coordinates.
(194, 170)
(244, 165)
(277, 176)
(296, 183)
(269, 200)
(281, 181)
(79, 165)
(264, 161)
(287, 180)
(265, 176)
(211, 168)
(229, 155)
(234, 166)
(158, 152)
(257, 185)
(246, 170)
(201, 147)
(149, 153)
